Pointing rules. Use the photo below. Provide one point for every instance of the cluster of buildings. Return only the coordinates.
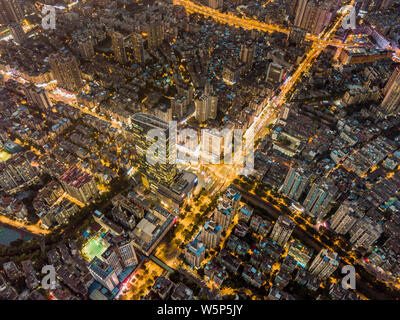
(210, 236)
(133, 216)
(99, 279)
(113, 267)
(165, 289)
(261, 253)
(71, 280)
(80, 107)
(334, 151)
(12, 274)
(71, 81)
(17, 173)
(13, 207)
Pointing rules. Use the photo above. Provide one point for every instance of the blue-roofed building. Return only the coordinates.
(162, 287)
(227, 207)
(195, 252)
(245, 213)
(254, 277)
(12, 147)
(182, 292)
(324, 264)
(211, 234)
(96, 292)
(223, 215)
(104, 274)
(234, 196)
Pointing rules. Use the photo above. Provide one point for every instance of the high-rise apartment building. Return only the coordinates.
(391, 102)
(206, 105)
(223, 214)
(138, 47)
(179, 106)
(216, 145)
(38, 96)
(16, 173)
(155, 34)
(17, 32)
(247, 54)
(118, 47)
(66, 71)
(206, 108)
(231, 72)
(79, 185)
(395, 75)
(345, 217)
(297, 35)
(86, 49)
(314, 15)
(103, 273)
(211, 234)
(195, 253)
(275, 73)
(216, 4)
(126, 251)
(155, 167)
(163, 112)
(232, 197)
(324, 264)
(282, 230)
(300, 253)
(365, 232)
(181, 102)
(295, 182)
(110, 257)
(319, 197)
(185, 90)
(11, 11)
(121, 253)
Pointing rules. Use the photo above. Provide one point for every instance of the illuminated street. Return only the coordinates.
(192, 151)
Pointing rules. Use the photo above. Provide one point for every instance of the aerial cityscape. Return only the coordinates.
(200, 150)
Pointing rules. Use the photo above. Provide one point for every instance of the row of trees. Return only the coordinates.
(22, 250)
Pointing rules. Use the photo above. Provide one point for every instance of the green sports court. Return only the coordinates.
(94, 247)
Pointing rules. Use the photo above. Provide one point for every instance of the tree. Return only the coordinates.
(197, 218)
(201, 272)
(186, 234)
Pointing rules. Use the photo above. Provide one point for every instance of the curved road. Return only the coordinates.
(249, 24)
(363, 286)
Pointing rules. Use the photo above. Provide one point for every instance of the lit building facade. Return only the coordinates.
(66, 71)
(155, 167)
(282, 230)
(295, 183)
(324, 264)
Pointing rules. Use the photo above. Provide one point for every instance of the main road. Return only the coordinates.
(246, 23)
(225, 174)
(269, 114)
